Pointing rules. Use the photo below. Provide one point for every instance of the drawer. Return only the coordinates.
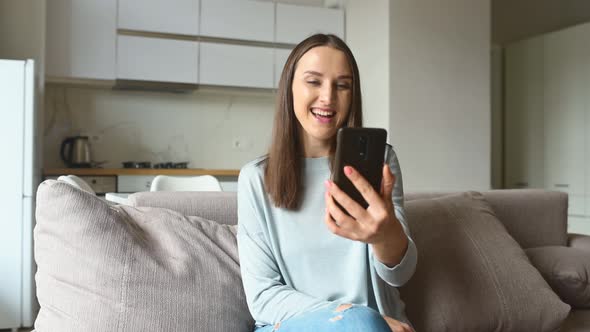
(228, 183)
(134, 183)
(101, 184)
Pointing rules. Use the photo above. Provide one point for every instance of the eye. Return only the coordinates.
(313, 82)
(343, 86)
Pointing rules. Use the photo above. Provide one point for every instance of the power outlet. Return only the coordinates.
(95, 138)
(241, 144)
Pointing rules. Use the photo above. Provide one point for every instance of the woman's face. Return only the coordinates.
(322, 89)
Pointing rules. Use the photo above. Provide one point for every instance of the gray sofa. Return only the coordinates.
(487, 262)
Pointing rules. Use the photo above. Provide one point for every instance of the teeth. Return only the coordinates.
(323, 113)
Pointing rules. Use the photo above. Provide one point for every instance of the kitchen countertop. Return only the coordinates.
(139, 171)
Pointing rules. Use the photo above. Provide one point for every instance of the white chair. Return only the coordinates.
(185, 183)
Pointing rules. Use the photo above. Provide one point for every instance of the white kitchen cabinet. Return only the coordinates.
(578, 225)
(566, 62)
(236, 65)
(81, 39)
(295, 23)
(281, 56)
(166, 16)
(238, 19)
(524, 154)
(137, 183)
(157, 59)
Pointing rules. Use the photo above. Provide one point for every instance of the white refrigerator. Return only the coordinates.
(19, 177)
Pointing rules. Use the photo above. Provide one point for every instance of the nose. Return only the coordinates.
(327, 94)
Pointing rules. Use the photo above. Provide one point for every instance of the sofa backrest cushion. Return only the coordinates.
(219, 206)
(533, 217)
(471, 274)
(117, 268)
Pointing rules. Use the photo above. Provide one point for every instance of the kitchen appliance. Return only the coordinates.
(75, 151)
(147, 164)
(22, 174)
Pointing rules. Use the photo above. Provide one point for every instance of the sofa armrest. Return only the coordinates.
(579, 241)
(213, 205)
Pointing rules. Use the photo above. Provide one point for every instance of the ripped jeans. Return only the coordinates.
(355, 318)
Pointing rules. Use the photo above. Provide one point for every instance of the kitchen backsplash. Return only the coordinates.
(209, 129)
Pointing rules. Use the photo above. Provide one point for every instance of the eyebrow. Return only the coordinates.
(320, 74)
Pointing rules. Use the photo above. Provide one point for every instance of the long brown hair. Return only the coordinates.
(283, 163)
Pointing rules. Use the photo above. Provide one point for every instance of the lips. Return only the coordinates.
(325, 113)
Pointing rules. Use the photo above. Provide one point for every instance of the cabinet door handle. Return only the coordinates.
(561, 185)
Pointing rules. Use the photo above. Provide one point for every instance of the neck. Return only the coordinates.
(315, 148)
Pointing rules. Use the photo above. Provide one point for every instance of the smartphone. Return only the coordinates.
(363, 149)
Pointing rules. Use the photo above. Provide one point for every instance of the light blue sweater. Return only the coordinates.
(291, 263)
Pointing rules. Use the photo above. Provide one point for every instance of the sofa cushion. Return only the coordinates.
(118, 268)
(567, 271)
(219, 205)
(471, 274)
(577, 321)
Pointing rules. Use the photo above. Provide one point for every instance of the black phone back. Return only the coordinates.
(363, 149)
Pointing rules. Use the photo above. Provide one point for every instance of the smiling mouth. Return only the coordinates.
(323, 114)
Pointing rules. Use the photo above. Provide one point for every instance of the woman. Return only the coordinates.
(305, 264)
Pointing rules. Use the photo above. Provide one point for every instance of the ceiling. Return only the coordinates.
(513, 20)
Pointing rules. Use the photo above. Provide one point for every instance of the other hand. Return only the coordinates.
(397, 326)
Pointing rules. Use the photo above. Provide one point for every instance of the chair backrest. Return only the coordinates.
(185, 183)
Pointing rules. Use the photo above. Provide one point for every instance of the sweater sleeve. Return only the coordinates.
(269, 299)
(398, 275)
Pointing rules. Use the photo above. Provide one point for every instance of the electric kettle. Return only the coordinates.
(75, 151)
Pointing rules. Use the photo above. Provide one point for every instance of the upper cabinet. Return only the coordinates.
(165, 16)
(157, 59)
(81, 37)
(294, 23)
(281, 56)
(238, 43)
(236, 65)
(238, 19)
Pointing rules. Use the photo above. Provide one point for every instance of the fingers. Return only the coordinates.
(363, 186)
(397, 326)
(387, 183)
(339, 222)
(351, 206)
(406, 327)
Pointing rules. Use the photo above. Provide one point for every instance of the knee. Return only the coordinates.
(365, 318)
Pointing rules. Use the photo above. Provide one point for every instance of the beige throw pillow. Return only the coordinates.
(471, 274)
(107, 268)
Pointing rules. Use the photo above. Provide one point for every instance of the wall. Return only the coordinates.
(367, 35)
(440, 93)
(202, 127)
(22, 29)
